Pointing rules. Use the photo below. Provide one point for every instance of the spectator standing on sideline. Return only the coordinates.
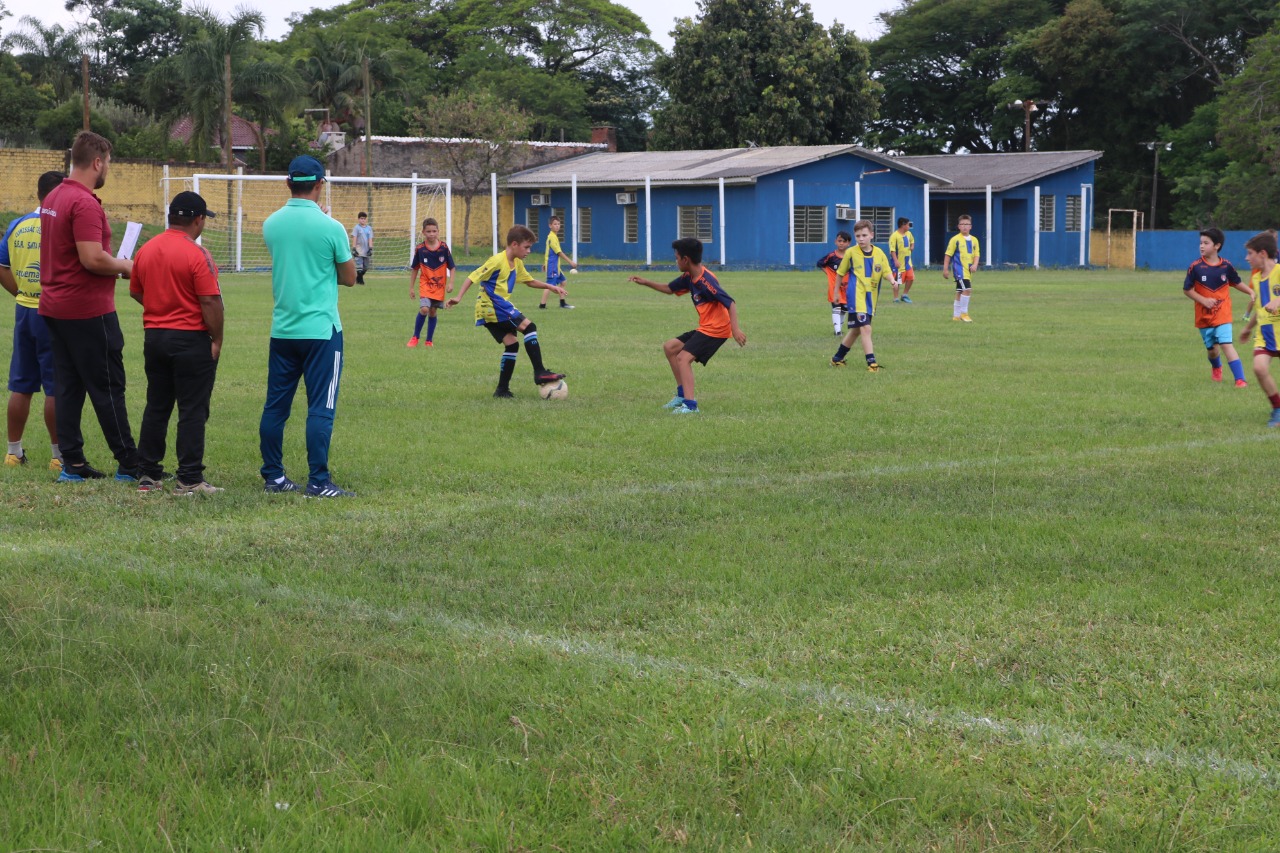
(176, 281)
(31, 364)
(310, 257)
(78, 302)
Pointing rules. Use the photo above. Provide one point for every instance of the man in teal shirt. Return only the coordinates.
(310, 257)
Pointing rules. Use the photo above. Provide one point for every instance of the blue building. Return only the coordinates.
(782, 206)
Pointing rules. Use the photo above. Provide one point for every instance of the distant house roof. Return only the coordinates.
(446, 140)
(970, 173)
(243, 133)
(735, 165)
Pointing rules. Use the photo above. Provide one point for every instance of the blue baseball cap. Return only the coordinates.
(305, 168)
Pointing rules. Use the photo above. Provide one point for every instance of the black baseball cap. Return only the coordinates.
(187, 203)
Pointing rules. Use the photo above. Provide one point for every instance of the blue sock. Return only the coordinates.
(417, 325)
(680, 391)
(871, 358)
(1237, 369)
(431, 326)
(841, 353)
(692, 404)
(1215, 362)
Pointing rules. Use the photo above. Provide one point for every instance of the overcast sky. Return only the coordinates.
(856, 15)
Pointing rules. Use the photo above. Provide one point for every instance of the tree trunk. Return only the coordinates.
(466, 223)
(226, 116)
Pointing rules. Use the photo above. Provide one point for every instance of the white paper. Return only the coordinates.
(132, 231)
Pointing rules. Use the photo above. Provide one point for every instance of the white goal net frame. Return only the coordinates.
(396, 208)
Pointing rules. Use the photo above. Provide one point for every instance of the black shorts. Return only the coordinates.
(859, 321)
(502, 328)
(700, 346)
(963, 284)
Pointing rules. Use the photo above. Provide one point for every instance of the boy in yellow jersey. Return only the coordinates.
(829, 263)
(31, 365)
(962, 259)
(552, 265)
(497, 278)
(867, 266)
(901, 242)
(1260, 252)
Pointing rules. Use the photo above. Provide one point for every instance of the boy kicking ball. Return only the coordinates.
(497, 278)
(717, 321)
(1260, 252)
(866, 266)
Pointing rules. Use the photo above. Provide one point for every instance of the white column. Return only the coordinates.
(648, 224)
(164, 197)
(573, 205)
(991, 226)
(1035, 213)
(413, 216)
(195, 188)
(448, 212)
(240, 221)
(926, 224)
(857, 200)
(1084, 225)
(493, 208)
(791, 217)
(722, 238)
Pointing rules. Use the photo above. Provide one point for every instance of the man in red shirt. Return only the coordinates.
(176, 281)
(78, 302)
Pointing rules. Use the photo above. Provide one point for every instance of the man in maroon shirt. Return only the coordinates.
(78, 302)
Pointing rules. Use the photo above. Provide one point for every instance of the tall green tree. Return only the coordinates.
(332, 69)
(21, 104)
(128, 38)
(763, 72)
(49, 53)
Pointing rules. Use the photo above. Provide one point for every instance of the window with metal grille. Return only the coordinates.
(694, 221)
(1074, 208)
(630, 224)
(532, 217)
(810, 224)
(882, 222)
(584, 225)
(1047, 222)
(558, 213)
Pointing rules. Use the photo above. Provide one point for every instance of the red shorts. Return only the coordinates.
(1264, 351)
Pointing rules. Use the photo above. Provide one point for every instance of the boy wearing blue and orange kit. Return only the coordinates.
(829, 263)
(430, 278)
(1260, 252)
(1208, 284)
(962, 259)
(552, 264)
(717, 321)
(901, 242)
(867, 267)
(497, 278)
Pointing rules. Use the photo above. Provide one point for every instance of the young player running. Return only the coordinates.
(1260, 252)
(1208, 284)
(430, 278)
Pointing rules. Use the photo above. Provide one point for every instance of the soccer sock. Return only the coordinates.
(534, 349)
(507, 367)
(692, 404)
(15, 447)
(563, 303)
(431, 326)
(1275, 400)
(871, 358)
(1216, 362)
(56, 451)
(841, 352)
(836, 316)
(964, 304)
(1237, 369)
(680, 391)
(417, 325)
(955, 308)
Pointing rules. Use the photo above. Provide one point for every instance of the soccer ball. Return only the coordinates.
(558, 390)
(573, 270)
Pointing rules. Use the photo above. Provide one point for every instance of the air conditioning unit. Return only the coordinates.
(845, 214)
(540, 200)
(626, 198)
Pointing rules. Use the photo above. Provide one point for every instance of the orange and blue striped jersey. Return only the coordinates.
(867, 270)
(497, 278)
(1266, 335)
(433, 267)
(20, 252)
(901, 245)
(829, 263)
(710, 299)
(964, 253)
(1212, 281)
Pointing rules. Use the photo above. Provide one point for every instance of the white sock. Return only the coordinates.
(955, 308)
(964, 304)
(836, 316)
(15, 447)
(56, 451)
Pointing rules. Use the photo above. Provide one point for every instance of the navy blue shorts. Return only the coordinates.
(31, 367)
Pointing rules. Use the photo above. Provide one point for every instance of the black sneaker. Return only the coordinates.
(547, 376)
(504, 393)
(80, 473)
(271, 487)
(327, 489)
(543, 307)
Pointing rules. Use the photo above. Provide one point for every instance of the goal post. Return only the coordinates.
(396, 208)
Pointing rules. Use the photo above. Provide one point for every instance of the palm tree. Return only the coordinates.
(265, 89)
(50, 53)
(334, 74)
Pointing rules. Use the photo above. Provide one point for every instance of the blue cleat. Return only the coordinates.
(674, 403)
(127, 475)
(682, 409)
(905, 298)
(1275, 418)
(80, 473)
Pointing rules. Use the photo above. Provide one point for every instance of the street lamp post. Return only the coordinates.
(1028, 107)
(1156, 146)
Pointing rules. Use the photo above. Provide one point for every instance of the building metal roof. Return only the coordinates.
(735, 165)
(970, 173)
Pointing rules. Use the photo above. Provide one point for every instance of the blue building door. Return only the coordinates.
(1013, 231)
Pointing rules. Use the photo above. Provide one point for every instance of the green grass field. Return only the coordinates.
(1016, 591)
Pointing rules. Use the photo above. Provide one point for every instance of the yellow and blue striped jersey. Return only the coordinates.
(553, 253)
(866, 271)
(20, 252)
(1267, 335)
(901, 245)
(964, 253)
(497, 278)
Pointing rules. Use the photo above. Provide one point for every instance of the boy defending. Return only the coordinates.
(430, 278)
(1208, 284)
(552, 265)
(867, 266)
(829, 263)
(362, 245)
(901, 242)
(717, 321)
(497, 277)
(1260, 252)
(962, 259)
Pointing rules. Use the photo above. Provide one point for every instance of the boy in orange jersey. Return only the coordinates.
(430, 278)
(717, 321)
(829, 263)
(1208, 284)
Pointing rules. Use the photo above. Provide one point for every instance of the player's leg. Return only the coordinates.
(682, 367)
(867, 349)
(1225, 336)
(541, 375)
(284, 370)
(18, 411)
(964, 301)
(955, 306)
(322, 374)
(504, 332)
(846, 344)
(20, 391)
(908, 279)
(39, 333)
(837, 316)
(162, 384)
(424, 305)
(431, 323)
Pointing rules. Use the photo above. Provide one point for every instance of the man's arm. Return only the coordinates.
(212, 311)
(656, 285)
(347, 273)
(99, 261)
(8, 282)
